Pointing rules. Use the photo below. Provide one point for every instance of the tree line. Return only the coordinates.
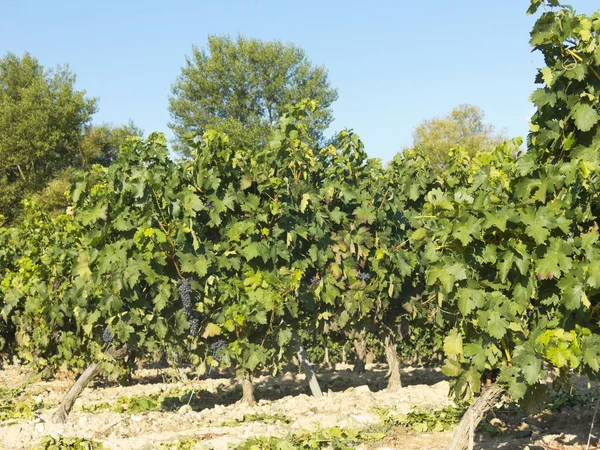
(240, 87)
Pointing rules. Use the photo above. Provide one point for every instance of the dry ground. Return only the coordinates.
(215, 419)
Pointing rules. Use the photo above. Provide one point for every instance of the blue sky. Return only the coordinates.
(395, 63)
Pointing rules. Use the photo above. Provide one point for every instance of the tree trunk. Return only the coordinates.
(313, 383)
(361, 353)
(344, 359)
(247, 388)
(61, 414)
(393, 364)
(464, 435)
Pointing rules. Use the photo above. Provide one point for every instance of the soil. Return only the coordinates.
(215, 418)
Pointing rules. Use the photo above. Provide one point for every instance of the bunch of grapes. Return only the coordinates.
(194, 325)
(106, 336)
(364, 276)
(185, 294)
(215, 346)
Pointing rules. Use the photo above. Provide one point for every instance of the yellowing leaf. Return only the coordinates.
(304, 202)
(547, 76)
(212, 329)
(453, 344)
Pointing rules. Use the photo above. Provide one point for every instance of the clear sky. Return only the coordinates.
(395, 63)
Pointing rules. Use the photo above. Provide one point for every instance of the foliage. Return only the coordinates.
(67, 443)
(171, 400)
(248, 246)
(510, 244)
(241, 87)
(182, 444)
(15, 405)
(42, 117)
(100, 144)
(422, 421)
(263, 418)
(463, 127)
(334, 438)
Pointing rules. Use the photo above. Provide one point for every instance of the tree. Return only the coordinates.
(462, 127)
(241, 88)
(42, 117)
(100, 144)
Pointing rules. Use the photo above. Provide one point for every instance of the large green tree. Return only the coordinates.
(42, 117)
(241, 87)
(464, 127)
(100, 144)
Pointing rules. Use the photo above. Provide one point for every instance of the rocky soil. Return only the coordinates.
(216, 420)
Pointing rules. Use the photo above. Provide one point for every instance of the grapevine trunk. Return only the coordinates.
(465, 431)
(61, 414)
(360, 345)
(247, 388)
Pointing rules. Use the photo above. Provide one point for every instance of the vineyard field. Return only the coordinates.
(239, 263)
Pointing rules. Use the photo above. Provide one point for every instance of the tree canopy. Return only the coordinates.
(241, 87)
(464, 127)
(100, 144)
(42, 117)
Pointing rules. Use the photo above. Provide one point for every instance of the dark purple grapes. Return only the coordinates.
(185, 294)
(364, 276)
(194, 325)
(106, 336)
(216, 348)
(217, 344)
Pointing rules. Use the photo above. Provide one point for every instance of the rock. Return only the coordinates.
(495, 422)
(140, 418)
(364, 389)
(39, 427)
(185, 409)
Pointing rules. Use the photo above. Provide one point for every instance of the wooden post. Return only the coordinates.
(313, 383)
(391, 355)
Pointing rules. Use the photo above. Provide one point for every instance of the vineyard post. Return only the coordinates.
(311, 378)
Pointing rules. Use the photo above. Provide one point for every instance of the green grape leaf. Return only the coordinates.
(585, 116)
